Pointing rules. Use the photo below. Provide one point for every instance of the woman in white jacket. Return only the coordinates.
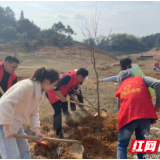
(19, 103)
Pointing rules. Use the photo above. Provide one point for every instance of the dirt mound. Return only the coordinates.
(97, 143)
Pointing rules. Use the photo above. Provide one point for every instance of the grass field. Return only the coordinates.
(21, 54)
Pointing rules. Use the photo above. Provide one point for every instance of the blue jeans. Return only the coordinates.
(140, 127)
(14, 148)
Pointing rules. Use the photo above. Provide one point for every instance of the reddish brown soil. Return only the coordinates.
(97, 143)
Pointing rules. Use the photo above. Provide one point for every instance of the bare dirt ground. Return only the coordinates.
(82, 126)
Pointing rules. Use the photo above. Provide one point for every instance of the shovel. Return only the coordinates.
(84, 98)
(76, 149)
(105, 111)
(43, 142)
(84, 105)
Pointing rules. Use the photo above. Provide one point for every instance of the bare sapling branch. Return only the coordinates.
(90, 31)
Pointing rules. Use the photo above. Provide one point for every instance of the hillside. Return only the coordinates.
(154, 51)
(48, 50)
(60, 58)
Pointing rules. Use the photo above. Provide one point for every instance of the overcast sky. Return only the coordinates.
(139, 17)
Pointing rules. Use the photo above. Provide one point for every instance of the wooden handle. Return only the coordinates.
(79, 103)
(83, 104)
(45, 139)
(90, 102)
(87, 100)
(84, 98)
(1, 90)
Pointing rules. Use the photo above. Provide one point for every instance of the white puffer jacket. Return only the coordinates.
(20, 103)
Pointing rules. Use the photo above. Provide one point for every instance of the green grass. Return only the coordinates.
(42, 56)
(54, 57)
(21, 54)
(71, 53)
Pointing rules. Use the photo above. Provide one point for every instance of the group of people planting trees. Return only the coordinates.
(21, 100)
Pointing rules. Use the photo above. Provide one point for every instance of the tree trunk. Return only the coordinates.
(97, 89)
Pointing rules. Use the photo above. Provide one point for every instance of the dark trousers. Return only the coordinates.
(72, 105)
(57, 117)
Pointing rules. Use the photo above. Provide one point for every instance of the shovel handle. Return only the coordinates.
(90, 102)
(1, 90)
(84, 98)
(83, 104)
(79, 103)
(44, 139)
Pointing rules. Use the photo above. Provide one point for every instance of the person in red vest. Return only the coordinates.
(66, 85)
(7, 75)
(136, 109)
(156, 66)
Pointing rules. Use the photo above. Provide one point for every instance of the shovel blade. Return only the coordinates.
(77, 150)
(103, 114)
(43, 143)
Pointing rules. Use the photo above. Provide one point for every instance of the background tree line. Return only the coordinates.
(23, 30)
(125, 42)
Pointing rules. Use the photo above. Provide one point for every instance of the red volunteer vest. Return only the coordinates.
(135, 101)
(66, 88)
(11, 78)
(156, 64)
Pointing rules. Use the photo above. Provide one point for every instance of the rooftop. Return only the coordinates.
(146, 55)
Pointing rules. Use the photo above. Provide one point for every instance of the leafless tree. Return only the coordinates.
(90, 30)
(80, 50)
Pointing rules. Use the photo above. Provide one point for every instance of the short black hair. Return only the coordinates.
(125, 63)
(83, 72)
(12, 59)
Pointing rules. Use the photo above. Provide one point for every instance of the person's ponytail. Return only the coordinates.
(41, 74)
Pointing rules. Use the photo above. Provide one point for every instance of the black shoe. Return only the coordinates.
(60, 136)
